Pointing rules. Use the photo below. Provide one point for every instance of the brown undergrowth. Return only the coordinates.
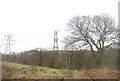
(19, 71)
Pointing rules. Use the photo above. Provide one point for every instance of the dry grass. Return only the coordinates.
(101, 74)
(20, 71)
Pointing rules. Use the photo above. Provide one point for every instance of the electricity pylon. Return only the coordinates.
(8, 44)
(55, 43)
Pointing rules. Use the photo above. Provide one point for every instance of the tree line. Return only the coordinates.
(64, 59)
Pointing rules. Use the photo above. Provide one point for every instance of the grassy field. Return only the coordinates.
(21, 71)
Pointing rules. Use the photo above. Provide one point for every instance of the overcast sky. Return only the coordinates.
(32, 22)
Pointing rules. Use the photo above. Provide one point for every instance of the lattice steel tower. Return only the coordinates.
(8, 44)
(55, 43)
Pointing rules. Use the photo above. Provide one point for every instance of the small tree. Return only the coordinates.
(96, 33)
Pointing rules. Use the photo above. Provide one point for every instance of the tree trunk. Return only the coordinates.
(100, 59)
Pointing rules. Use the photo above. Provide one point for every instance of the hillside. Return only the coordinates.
(20, 71)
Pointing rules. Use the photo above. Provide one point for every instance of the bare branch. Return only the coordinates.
(96, 31)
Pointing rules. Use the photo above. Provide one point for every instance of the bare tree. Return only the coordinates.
(96, 33)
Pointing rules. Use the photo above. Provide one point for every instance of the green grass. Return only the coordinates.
(38, 72)
(16, 65)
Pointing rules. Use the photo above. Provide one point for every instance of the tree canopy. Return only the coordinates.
(93, 32)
